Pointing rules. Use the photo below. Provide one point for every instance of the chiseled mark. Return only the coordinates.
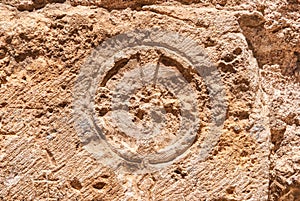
(161, 10)
(58, 168)
(46, 180)
(50, 157)
(156, 71)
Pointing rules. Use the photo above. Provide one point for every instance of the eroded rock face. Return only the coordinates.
(66, 72)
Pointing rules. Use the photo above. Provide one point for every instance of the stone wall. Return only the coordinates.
(150, 100)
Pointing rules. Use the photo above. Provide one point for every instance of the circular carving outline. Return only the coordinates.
(91, 135)
(186, 139)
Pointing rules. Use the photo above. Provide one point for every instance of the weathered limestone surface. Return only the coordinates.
(254, 47)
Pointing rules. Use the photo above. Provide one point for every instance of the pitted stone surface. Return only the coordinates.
(143, 46)
(253, 45)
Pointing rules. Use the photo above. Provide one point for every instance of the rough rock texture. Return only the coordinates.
(255, 47)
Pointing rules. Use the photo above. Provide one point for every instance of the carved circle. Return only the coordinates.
(132, 86)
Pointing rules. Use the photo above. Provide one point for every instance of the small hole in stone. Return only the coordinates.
(170, 109)
(77, 145)
(99, 185)
(226, 67)
(180, 172)
(105, 176)
(244, 154)
(230, 190)
(3, 104)
(102, 111)
(174, 177)
(63, 87)
(228, 57)
(63, 104)
(75, 183)
(237, 51)
(103, 96)
(145, 100)
(39, 115)
(242, 115)
(140, 114)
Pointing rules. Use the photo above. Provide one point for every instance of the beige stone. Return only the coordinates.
(66, 70)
